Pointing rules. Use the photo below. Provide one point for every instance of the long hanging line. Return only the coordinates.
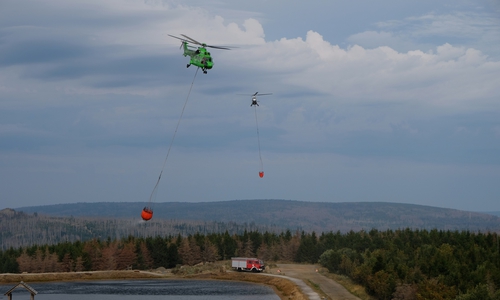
(155, 189)
(261, 171)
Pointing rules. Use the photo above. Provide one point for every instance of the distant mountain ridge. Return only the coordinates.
(308, 216)
(495, 213)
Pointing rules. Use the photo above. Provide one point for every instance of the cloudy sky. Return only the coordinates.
(387, 100)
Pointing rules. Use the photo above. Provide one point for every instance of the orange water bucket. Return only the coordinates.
(261, 174)
(147, 214)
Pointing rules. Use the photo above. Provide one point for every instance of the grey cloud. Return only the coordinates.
(462, 139)
(101, 70)
(39, 51)
(467, 28)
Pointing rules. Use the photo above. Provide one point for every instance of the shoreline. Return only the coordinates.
(284, 288)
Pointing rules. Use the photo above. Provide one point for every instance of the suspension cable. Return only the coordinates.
(261, 171)
(152, 197)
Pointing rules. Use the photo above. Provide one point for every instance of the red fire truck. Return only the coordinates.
(247, 264)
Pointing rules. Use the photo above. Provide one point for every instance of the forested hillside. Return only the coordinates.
(308, 216)
(19, 229)
(398, 265)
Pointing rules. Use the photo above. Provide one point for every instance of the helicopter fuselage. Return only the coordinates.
(254, 101)
(199, 57)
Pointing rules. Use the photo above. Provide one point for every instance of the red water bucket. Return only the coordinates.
(146, 214)
(261, 174)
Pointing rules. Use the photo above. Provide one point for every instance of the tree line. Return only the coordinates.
(417, 264)
(392, 264)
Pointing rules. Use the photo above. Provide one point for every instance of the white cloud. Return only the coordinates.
(454, 78)
(449, 76)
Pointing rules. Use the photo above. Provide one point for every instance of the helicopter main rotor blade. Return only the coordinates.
(219, 47)
(255, 94)
(192, 40)
(175, 37)
(205, 45)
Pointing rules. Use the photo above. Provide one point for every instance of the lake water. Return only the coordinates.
(145, 289)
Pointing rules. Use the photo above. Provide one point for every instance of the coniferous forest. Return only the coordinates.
(392, 264)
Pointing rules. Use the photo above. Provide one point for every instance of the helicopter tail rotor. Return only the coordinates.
(181, 39)
(176, 37)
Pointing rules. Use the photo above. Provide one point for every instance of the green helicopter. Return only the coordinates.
(199, 57)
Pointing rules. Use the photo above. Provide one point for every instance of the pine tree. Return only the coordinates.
(210, 252)
(109, 256)
(126, 256)
(24, 262)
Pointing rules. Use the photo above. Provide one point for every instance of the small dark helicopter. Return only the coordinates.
(199, 57)
(254, 97)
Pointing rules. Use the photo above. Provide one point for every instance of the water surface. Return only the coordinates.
(147, 289)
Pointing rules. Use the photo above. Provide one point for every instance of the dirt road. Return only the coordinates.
(308, 274)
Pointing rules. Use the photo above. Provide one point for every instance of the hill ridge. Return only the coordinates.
(317, 216)
(49, 224)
